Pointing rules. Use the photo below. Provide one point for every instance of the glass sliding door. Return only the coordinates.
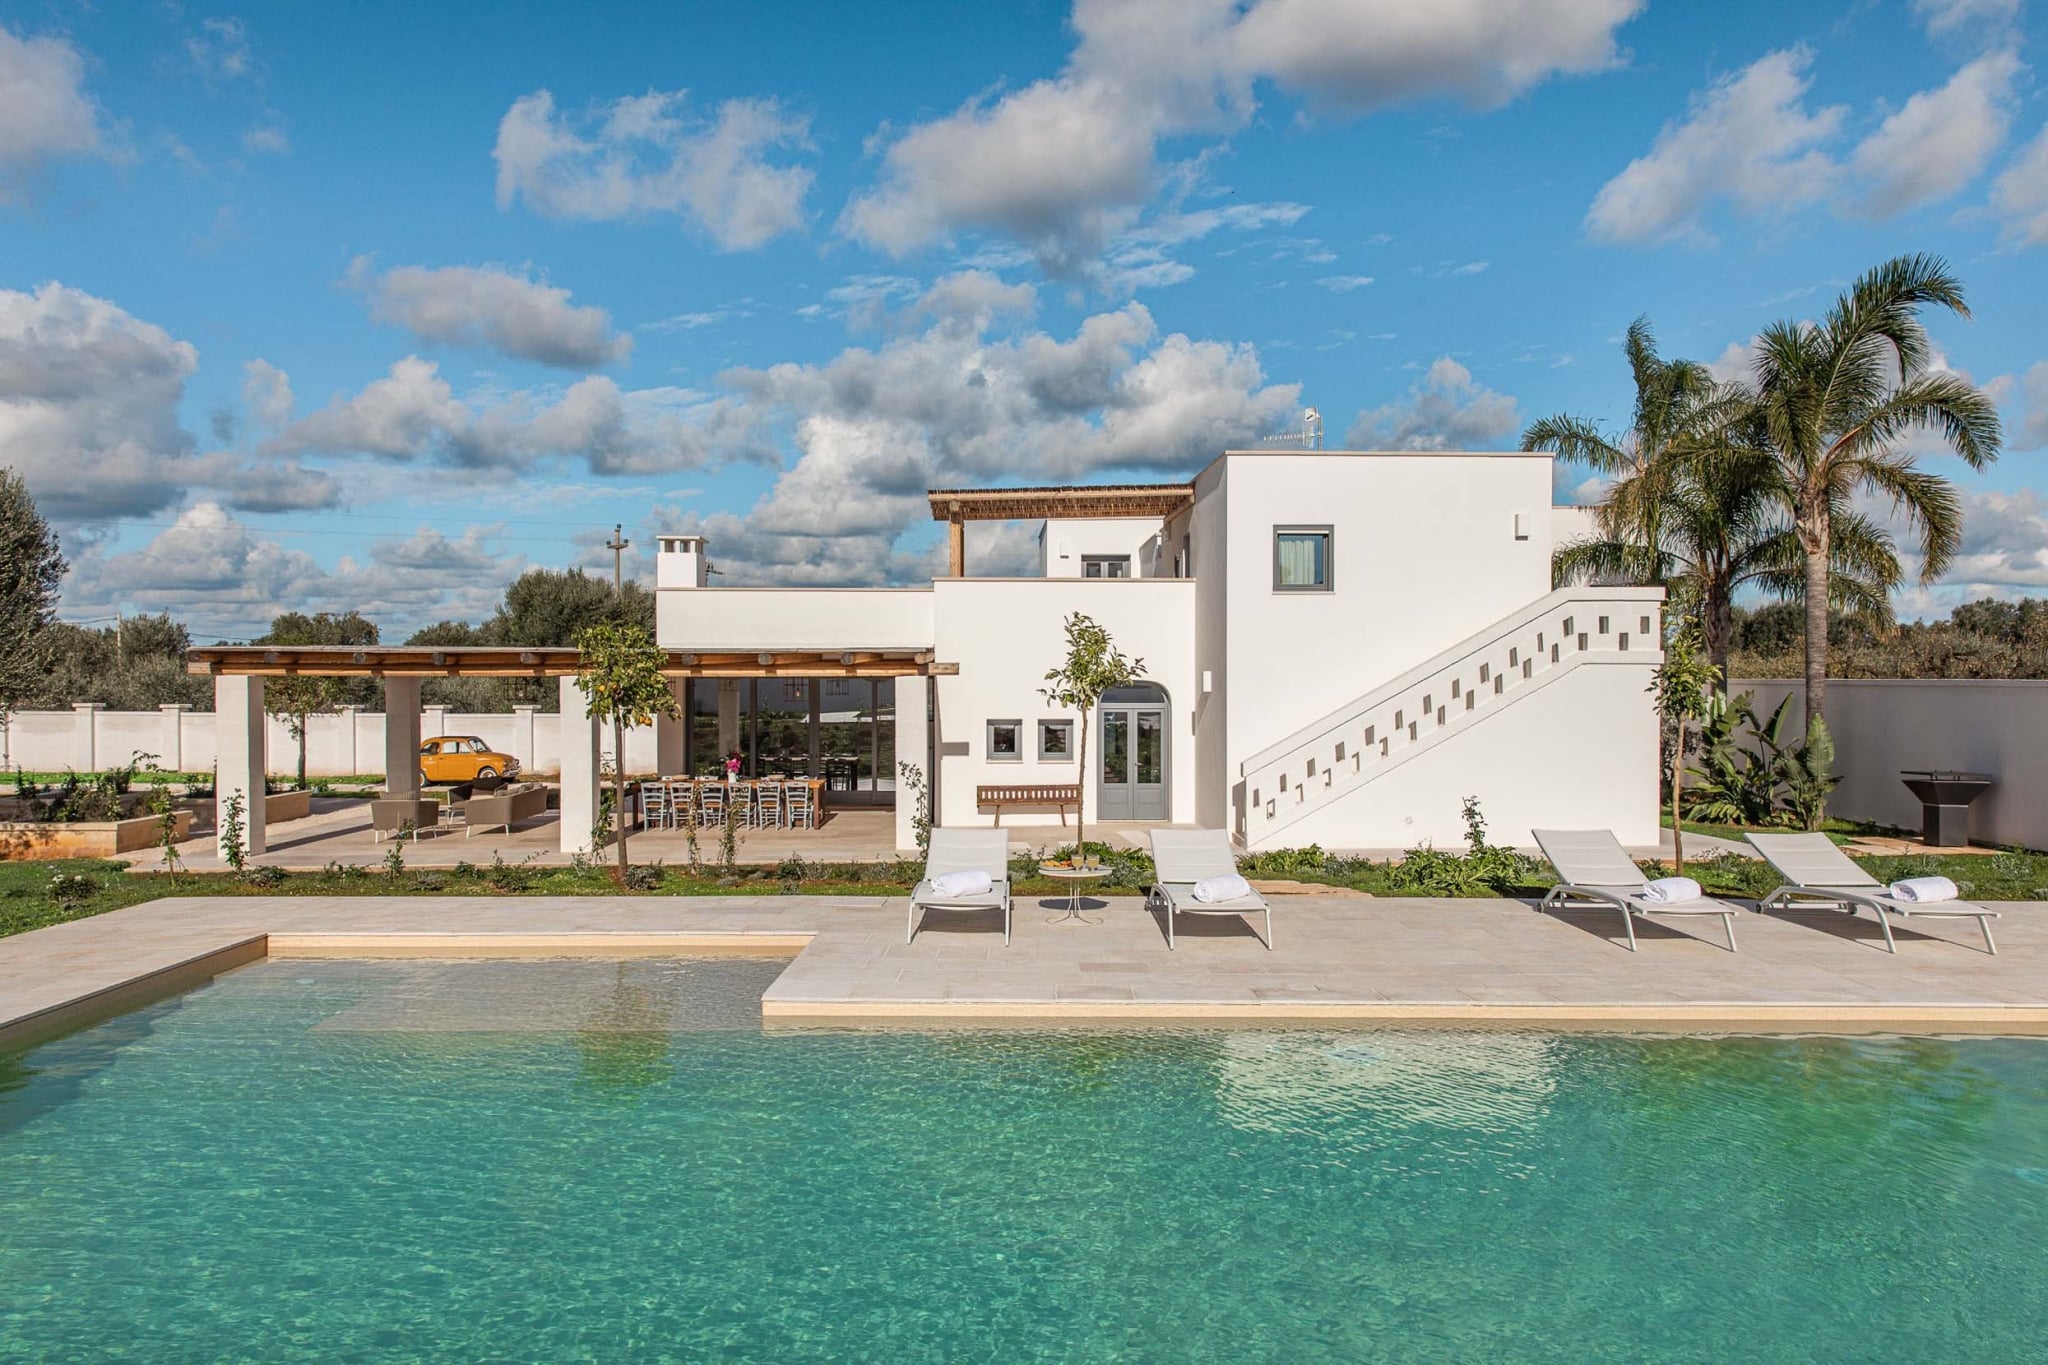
(1132, 762)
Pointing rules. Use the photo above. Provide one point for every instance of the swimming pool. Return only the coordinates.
(568, 1160)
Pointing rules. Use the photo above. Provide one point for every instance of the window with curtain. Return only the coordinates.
(1301, 559)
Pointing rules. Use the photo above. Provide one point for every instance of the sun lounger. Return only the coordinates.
(1594, 869)
(964, 850)
(1818, 874)
(1183, 857)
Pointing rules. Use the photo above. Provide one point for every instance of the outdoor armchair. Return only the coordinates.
(1183, 857)
(507, 806)
(390, 816)
(964, 850)
(1594, 869)
(1818, 874)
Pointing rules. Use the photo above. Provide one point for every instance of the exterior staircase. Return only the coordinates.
(1401, 720)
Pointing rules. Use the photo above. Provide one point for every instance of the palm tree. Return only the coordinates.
(1720, 527)
(1836, 401)
(1677, 405)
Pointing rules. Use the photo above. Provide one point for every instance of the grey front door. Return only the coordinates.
(1133, 762)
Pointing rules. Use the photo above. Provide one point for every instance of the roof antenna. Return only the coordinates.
(1311, 429)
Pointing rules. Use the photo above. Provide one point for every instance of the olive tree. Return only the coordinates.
(1092, 667)
(621, 679)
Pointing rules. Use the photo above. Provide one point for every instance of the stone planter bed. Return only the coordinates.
(84, 838)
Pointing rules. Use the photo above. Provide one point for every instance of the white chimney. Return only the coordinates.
(682, 562)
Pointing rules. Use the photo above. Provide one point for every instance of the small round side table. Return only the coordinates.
(1073, 876)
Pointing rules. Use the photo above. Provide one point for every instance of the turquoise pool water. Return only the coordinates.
(567, 1161)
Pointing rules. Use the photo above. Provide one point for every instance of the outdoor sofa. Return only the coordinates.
(1594, 869)
(964, 850)
(390, 817)
(1183, 857)
(508, 806)
(1818, 874)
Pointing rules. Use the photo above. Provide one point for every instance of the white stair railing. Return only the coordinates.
(1366, 738)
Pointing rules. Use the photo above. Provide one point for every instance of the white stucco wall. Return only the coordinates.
(1424, 553)
(1580, 753)
(1883, 725)
(1214, 776)
(793, 618)
(1062, 543)
(1006, 632)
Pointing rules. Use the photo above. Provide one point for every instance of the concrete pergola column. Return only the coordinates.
(728, 717)
(402, 737)
(913, 746)
(239, 743)
(580, 771)
(668, 734)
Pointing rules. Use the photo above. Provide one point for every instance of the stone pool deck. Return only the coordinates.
(1338, 959)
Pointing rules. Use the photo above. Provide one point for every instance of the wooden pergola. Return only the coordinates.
(482, 661)
(958, 506)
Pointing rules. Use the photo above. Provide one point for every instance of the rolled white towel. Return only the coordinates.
(1227, 887)
(973, 883)
(1671, 890)
(1923, 889)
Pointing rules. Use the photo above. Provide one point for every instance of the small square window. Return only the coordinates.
(1006, 741)
(1056, 741)
(1301, 559)
(1105, 566)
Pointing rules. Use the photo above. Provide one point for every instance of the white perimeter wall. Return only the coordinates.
(1883, 725)
(1424, 554)
(338, 745)
(1578, 753)
(1006, 632)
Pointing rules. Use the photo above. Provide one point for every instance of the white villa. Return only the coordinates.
(1340, 646)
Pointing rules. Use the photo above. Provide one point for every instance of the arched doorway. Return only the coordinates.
(1131, 741)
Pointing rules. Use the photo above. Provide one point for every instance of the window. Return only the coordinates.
(1105, 566)
(793, 689)
(1056, 741)
(1301, 559)
(1006, 741)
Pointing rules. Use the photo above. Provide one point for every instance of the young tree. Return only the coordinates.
(622, 681)
(1836, 404)
(294, 697)
(1092, 667)
(31, 567)
(1684, 685)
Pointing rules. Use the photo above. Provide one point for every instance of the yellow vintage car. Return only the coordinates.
(463, 758)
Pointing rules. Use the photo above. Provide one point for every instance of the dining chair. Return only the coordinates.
(767, 804)
(801, 805)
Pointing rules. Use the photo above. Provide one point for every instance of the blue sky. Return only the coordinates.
(374, 306)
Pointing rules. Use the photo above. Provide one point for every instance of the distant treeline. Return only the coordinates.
(139, 664)
(1987, 639)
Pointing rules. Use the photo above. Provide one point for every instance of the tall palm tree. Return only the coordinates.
(1677, 405)
(1835, 402)
(1720, 527)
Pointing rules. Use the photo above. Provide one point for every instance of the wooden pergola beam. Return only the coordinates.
(420, 661)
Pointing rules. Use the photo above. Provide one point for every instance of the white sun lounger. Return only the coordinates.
(1818, 874)
(1182, 857)
(1594, 869)
(964, 850)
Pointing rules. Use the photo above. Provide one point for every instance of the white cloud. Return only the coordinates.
(209, 568)
(89, 401)
(1748, 137)
(412, 413)
(267, 138)
(639, 156)
(45, 112)
(1939, 140)
(1370, 53)
(1067, 163)
(1344, 284)
(267, 393)
(219, 51)
(2020, 196)
(2031, 431)
(1944, 17)
(492, 307)
(1447, 410)
(1735, 364)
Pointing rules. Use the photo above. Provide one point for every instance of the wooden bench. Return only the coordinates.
(1040, 797)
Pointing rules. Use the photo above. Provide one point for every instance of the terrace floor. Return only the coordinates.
(1338, 959)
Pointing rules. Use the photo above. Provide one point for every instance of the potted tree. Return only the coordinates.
(620, 676)
(1092, 667)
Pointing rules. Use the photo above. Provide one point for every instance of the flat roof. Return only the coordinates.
(1065, 501)
(486, 661)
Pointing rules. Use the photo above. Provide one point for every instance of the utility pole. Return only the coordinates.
(617, 545)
